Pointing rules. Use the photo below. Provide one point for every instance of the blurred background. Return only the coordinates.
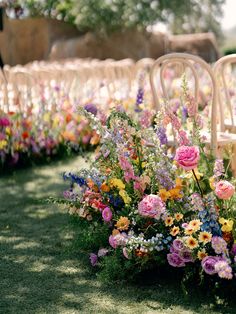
(41, 30)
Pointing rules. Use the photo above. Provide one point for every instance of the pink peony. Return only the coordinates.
(107, 214)
(151, 206)
(224, 190)
(187, 157)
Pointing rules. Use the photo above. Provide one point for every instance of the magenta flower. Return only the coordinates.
(107, 214)
(175, 260)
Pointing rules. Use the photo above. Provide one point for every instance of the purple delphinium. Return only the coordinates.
(139, 99)
(91, 108)
(161, 133)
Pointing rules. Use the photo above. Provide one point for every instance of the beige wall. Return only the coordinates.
(31, 39)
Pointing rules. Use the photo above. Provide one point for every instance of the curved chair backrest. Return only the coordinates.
(187, 61)
(219, 70)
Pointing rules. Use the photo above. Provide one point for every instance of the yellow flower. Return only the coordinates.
(198, 174)
(204, 237)
(169, 221)
(8, 130)
(227, 224)
(3, 144)
(174, 231)
(191, 243)
(212, 183)
(195, 224)
(164, 194)
(179, 216)
(189, 231)
(201, 254)
(117, 183)
(123, 223)
(125, 196)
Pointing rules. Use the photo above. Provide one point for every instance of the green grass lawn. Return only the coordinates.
(40, 274)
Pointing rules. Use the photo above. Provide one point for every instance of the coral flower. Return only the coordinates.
(174, 231)
(224, 190)
(191, 243)
(179, 216)
(205, 237)
(123, 223)
(25, 135)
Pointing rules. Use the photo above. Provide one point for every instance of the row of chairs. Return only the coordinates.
(221, 134)
(82, 80)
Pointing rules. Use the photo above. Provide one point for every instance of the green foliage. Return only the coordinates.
(104, 16)
(229, 51)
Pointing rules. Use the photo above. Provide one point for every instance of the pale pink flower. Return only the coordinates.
(151, 206)
(224, 190)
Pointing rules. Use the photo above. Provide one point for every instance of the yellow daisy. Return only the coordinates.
(204, 237)
(195, 224)
(201, 254)
(123, 223)
(179, 216)
(191, 243)
(169, 221)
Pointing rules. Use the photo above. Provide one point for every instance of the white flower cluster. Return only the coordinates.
(157, 243)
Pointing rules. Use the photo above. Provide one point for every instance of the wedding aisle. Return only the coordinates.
(41, 274)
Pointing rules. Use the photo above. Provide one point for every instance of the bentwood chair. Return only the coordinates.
(216, 140)
(223, 72)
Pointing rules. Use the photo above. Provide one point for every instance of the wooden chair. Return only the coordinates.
(220, 68)
(216, 140)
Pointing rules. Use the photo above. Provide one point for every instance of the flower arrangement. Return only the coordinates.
(146, 206)
(26, 138)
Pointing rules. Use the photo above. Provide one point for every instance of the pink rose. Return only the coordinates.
(224, 190)
(187, 157)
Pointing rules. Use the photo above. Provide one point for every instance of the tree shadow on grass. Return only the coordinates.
(41, 274)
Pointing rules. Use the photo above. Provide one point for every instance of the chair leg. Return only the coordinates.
(233, 160)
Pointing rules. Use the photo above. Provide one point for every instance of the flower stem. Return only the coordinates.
(197, 182)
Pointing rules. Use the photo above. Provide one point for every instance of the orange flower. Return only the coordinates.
(227, 236)
(95, 139)
(164, 194)
(105, 187)
(68, 117)
(115, 232)
(92, 185)
(175, 193)
(69, 136)
(123, 223)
